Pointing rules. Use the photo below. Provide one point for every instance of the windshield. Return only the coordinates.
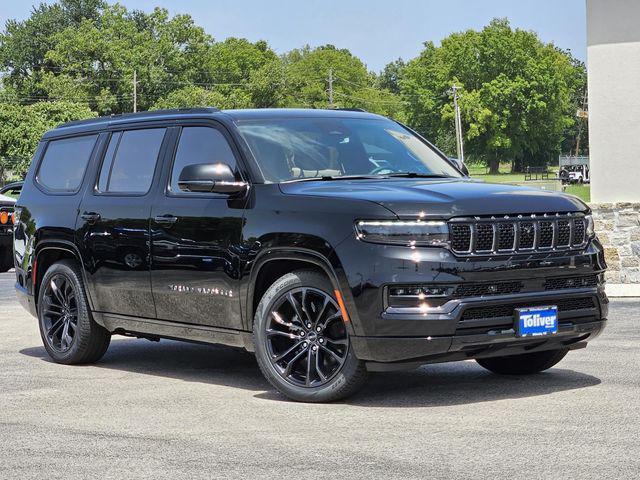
(299, 148)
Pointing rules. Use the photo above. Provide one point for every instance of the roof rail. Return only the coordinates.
(146, 114)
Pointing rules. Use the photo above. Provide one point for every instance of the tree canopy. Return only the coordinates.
(517, 94)
(76, 58)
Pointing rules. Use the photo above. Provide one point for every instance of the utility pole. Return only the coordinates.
(135, 92)
(459, 137)
(583, 116)
(330, 88)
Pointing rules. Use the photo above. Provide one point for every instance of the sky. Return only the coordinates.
(377, 31)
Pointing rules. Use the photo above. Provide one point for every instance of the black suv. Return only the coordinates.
(328, 242)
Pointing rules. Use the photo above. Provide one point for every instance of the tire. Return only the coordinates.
(525, 364)
(88, 340)
(316, 374)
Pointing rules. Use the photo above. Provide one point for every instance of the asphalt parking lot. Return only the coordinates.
(177, 410)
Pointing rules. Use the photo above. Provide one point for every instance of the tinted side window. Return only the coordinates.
(130, 161)
(64, 163)
(200, 145)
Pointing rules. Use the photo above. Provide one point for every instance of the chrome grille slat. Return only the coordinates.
(531, 234)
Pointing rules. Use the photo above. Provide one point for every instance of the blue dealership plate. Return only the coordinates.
(535, 321)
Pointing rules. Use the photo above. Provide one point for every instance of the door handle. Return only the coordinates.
(90, 217)
(166, 219)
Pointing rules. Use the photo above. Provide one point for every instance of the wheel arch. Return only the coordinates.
(279, 261)
(49, 252)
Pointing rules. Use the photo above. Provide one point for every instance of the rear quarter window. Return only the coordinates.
(64, 163)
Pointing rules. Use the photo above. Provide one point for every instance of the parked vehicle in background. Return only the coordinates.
(574, 169)
(575, 174)
(330, 243)
(6, 224)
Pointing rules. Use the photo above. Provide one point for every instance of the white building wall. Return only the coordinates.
(613, 31)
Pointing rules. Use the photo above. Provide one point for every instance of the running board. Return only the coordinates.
(147, 327)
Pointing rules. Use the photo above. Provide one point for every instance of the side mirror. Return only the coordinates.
(210, 178)
(459, 165)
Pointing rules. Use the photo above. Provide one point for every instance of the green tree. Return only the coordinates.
(22, 126)
(517, 93)
(307, 81)
(195, 96)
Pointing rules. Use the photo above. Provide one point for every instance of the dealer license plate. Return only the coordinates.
(536, 321)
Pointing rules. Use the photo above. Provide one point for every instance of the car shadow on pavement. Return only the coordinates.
(462, 383)
(429, 386)
(212, 364)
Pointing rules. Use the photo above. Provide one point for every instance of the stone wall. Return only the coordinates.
(618, 228)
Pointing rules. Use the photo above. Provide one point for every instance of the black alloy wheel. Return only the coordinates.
(60, 313)
(306, 337)
(69, 333)
(302, 342)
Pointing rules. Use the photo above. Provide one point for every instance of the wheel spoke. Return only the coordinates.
(278, 333)
(48, 303)
(55, 326)
(56, 291)
(287, 370)
(304, 305)
(64, 338)
(283, 355)
(322, 310)
(322, 376)
(296, 307)
(276, 316)
(309, 362)
(331, 318)
(335, 356)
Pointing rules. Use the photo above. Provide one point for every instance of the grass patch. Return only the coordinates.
(480, 172)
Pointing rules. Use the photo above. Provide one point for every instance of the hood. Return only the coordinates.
(7, 201)
(438, 197)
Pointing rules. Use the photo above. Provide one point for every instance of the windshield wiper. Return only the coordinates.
(416, 175)
(328, 178)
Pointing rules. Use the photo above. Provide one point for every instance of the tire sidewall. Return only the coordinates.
(329, 390)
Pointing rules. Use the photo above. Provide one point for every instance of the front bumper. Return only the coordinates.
(388, 335)
(451, 336)
(387, 353)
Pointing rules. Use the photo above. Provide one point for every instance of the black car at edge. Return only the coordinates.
(7, 201)
(328, 242)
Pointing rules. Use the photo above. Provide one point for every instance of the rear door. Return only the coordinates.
(196, 236)
(113, 228)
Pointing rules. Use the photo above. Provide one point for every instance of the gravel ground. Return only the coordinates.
(174, 410)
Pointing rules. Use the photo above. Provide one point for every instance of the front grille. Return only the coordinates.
(563, 283)
(497, 311)
(517, 234)
(460, 237)
(482, 289)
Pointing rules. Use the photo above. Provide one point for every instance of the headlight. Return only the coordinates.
(590, 228)
(399, 232)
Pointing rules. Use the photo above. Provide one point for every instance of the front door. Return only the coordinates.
(196, 236)
(113, 229)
